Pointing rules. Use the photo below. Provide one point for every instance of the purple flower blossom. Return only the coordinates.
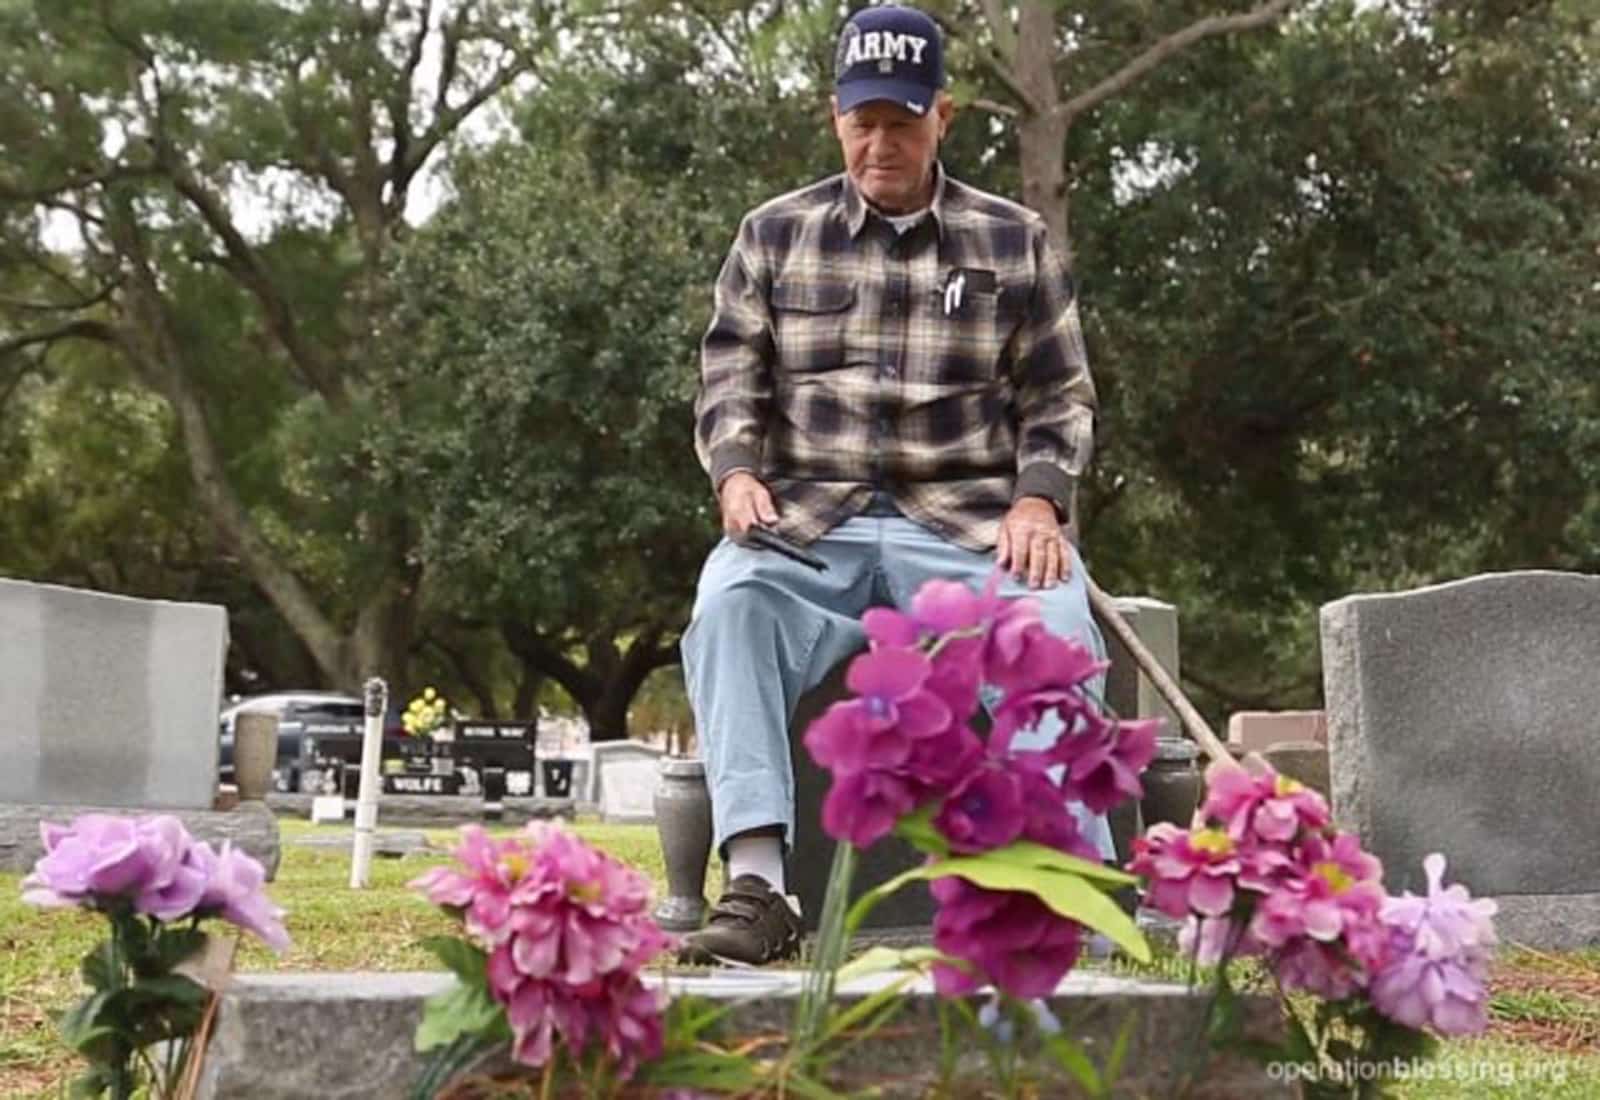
(862, 808)
(1106, 770)
(233, 892)
(98, 857)
(1010, 938)
(153, 865)
(1434, 969)
(1321, 969)
(1024, 657)
(984, 811)
(1046, 818)
(892, 710)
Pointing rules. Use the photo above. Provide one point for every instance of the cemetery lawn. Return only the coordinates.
(1544, 1041)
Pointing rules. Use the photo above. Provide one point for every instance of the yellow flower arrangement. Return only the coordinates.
(426, 714)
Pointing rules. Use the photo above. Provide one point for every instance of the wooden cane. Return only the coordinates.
(1197, 728)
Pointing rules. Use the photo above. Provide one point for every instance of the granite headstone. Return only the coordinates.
(1464, 718)
(109, 701)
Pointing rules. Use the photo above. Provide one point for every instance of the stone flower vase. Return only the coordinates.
(683, 822)
(1172, 783)
(255, 751)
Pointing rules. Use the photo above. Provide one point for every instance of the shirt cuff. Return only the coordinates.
(730, 458)
(1040, 479)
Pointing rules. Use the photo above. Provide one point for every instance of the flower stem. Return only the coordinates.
(830, 946)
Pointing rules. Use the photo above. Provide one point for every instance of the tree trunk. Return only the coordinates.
(1042, 129)
(526, 705)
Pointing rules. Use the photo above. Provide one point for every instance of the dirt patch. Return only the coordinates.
(1545, 1002)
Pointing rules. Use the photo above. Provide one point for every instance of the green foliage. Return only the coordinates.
(135, 1001)
(1343, 324)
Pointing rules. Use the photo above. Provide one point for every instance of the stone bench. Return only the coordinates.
(349, 1036)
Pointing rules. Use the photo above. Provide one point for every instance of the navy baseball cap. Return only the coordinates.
(890, 53)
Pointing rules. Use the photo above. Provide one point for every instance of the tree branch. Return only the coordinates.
(998, 66)
(526, 643)
(1153, 57)
(156, 354)
(400, 95)
(446, 123)
(82, 302)
(82, 329)
(467, 670)
(248, 268)
(994, 107)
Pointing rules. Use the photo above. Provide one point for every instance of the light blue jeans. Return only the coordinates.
(767, 629)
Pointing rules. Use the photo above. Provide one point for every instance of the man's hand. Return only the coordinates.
(1031, 545)
(745, 502)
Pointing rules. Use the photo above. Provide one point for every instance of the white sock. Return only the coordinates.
(757, 855)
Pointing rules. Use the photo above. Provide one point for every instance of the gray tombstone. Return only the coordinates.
(108, 700)
(1464, 718)
(625, 780)
(1129, 692)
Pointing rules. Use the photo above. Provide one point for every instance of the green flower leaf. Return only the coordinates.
(99, 967)
(466, 961)
(1025, 853)
(464, 1010)
(173, 945)
(1062, 887)
(880, 958)
(81, 1024)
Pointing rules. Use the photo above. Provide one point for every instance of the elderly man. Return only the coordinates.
(895, 380)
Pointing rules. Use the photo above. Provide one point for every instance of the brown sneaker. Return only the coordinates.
(750, 925)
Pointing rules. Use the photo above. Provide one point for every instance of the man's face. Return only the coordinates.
(889, 151)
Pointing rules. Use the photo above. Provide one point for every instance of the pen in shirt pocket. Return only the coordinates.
(959, 281)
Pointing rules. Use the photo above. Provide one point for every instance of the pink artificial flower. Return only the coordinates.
(1272, 806)
(1337, 893)
(1011, 938)
(483, 893)
(891, 710)
(567, 929)
(1189, 872)
(579, 914)
(626, 1016)
(1321, 969)
(984, 811)
(1212, 940)
(1436, 964)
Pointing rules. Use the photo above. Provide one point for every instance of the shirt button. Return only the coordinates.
(889, 370)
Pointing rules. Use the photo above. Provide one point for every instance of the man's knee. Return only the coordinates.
(738, 604)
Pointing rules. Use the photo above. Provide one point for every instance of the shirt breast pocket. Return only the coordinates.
(811, 322)
(980, 326)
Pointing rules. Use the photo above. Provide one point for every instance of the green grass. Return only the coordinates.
(1549, 1007)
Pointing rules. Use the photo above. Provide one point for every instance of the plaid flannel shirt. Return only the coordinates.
(841, 360)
